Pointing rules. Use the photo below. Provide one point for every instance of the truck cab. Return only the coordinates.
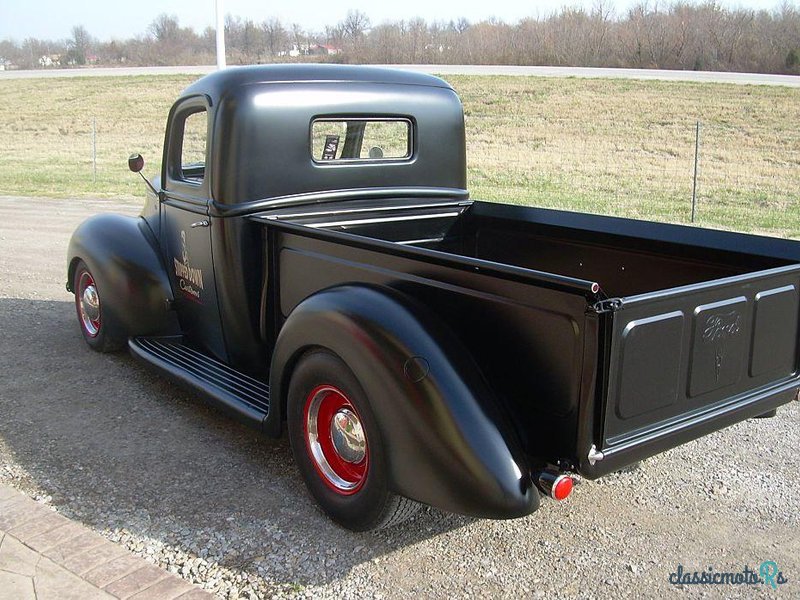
(294, 131)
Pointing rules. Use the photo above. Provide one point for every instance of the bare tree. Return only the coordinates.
(275, 36)
(418, 40)
(165, 28)
(386, 43)
(461, 25)
(299, 38)
(599, 30)
(79, 45)
(354, 27)
(245, 41)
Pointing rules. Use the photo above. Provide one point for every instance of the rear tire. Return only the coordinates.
(338, 447)
(99, 326)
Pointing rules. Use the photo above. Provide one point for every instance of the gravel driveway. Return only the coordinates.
(152, 467)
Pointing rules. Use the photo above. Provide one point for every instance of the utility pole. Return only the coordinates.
(220, 34)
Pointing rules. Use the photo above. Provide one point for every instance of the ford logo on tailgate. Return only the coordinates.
(719, 329)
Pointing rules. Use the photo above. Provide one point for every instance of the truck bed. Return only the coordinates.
(607, 339)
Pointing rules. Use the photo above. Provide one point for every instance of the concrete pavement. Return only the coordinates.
(44, 556)
(510, 70)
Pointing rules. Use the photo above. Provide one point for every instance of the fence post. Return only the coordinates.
(696, 161)
(94, 150)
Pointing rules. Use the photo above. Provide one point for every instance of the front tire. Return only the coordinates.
(99, 325)
(338, 447)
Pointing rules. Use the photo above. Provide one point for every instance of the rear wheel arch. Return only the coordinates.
(449, 443)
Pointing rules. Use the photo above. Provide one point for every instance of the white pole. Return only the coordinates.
(220, 34)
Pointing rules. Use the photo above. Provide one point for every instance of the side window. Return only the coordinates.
(357, 139)
(188, 162)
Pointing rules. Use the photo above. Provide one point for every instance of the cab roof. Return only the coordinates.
(217, 84)
(260, 128)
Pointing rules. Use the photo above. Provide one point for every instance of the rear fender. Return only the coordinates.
(448, 443)
(122, 254)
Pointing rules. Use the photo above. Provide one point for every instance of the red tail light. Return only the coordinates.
(562, 488)
(557, 486)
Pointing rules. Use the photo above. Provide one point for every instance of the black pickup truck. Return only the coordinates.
(309, 259)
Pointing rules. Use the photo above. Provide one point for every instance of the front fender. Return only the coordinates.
(122, 254)
(448, 442)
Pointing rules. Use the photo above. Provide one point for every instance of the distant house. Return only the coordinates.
(310, 50)
(295, 50)
(325, 49)
(50, 60)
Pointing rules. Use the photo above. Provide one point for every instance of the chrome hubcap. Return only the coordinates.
(89, 305)
(348, 436)
(335, 439)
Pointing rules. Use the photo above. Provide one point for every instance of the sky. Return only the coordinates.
(112, 19)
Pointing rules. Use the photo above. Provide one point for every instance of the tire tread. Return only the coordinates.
(398, 510)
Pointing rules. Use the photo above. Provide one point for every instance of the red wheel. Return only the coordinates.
(335, 439)
(99, 324)
(338, 446)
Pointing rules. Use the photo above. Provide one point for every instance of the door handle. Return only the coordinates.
(203, 223)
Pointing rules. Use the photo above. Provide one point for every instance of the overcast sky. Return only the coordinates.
(107, 19)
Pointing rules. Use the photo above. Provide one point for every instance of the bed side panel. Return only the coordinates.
(528, 341)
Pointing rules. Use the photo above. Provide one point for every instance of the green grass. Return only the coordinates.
(627, 148)
(620, 147)
(48, 133)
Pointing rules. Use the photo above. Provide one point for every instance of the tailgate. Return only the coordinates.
(688, 361)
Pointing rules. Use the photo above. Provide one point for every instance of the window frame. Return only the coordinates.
(173, 167)
(410, 139)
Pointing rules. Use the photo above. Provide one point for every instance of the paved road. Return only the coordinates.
(155, 469)
(708, 76)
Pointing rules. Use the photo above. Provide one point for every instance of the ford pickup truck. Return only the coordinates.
(310, 260)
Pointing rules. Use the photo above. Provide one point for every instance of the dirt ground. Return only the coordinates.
(152, 467)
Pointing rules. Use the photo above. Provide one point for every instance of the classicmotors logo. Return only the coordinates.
(767, 574)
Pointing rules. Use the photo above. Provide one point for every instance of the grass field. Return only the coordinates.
(619, 147)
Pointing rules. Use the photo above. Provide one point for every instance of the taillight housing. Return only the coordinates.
(556, 485)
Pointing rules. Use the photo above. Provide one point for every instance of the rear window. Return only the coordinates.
(336, 140)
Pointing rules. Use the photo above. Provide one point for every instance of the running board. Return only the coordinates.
(243, 397)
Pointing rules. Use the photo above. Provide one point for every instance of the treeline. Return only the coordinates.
(680, 35)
